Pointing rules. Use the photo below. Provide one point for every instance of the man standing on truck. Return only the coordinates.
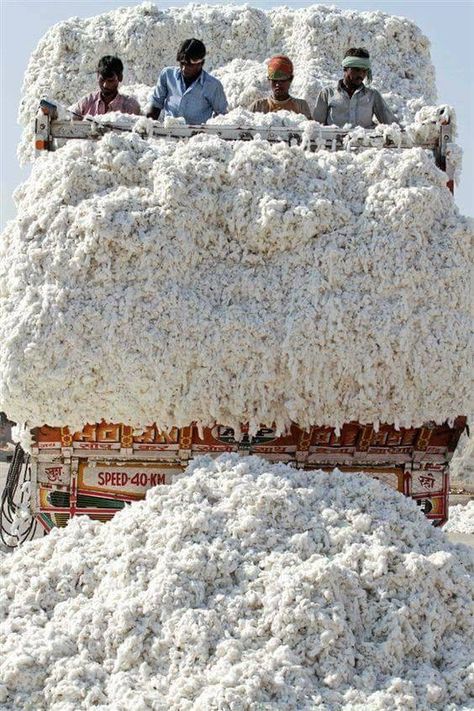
(350, 100)
(280, 76)
(188, 91)
(109, 76)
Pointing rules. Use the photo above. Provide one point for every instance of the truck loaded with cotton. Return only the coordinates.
(239, 344)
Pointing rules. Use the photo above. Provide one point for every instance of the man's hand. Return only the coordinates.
(153, 113)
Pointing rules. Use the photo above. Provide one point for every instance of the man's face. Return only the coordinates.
(354, 77)
(190, 71)
(109, 83)
(280, 88)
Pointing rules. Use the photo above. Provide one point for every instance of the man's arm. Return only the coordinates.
(133, 107)
(254, 106)
(219, 101)
(321, 110)
(381, 110)
(259, 106)
(157, 99)
(153, 112)
(304, 109)
(79, 109)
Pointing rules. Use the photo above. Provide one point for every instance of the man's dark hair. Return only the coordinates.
(357, 52)
(109, 65)
(191, 49)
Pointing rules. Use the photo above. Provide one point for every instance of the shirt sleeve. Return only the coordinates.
(320, 113)
(133, 107)
(305, 110)
(78, 107)
(160, 92)
(219, 100)
(381, 110)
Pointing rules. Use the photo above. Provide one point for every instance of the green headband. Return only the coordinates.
(358, 63)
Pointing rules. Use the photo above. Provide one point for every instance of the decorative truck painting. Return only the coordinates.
(100, 469)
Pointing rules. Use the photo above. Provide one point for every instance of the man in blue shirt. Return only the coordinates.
(188, 91)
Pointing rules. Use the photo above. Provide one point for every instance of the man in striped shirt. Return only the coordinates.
(109, 76)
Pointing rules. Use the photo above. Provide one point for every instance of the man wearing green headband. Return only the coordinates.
(351, 101)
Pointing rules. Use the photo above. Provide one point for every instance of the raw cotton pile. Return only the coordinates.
(243, 586)
(461, 518)
(234, 281)
(461, 468)
(151, 281)
(238, 40)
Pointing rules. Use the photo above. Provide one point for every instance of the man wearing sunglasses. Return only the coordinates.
(187, 90)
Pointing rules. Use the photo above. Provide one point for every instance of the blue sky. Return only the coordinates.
(448, 25)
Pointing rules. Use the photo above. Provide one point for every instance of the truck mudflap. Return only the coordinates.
(100, 469)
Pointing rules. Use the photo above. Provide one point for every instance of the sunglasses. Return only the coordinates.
(190, 62)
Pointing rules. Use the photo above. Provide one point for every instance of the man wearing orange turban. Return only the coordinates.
(280, 76)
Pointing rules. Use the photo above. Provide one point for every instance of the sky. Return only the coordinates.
(448, 25)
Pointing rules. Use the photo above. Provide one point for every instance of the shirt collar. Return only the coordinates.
(199, 80)
(340, 86)
(117, 97)
(285, 101)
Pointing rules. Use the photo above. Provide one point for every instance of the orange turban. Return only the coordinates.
(280, 67)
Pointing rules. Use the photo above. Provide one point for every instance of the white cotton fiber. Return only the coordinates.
(234, 281)
(147, 280)
(461, 518)
(244, 585)
(203, 280)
